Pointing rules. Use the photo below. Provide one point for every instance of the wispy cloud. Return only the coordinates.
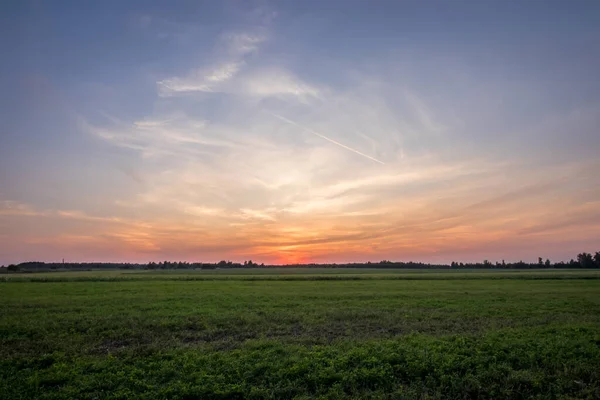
(9, 207)
(233, 49)
(276, 82)
(200, 80)
(240, 44)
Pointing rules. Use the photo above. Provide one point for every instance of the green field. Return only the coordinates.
(296, 333)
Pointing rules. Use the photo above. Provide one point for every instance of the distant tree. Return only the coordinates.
(13, 268)
(573, 263)
(540, 261)
(585, 260)
(597, 258)
(547, 263)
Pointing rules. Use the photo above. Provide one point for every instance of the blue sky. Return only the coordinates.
(295, 131)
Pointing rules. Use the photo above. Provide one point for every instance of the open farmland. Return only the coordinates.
(300, 334)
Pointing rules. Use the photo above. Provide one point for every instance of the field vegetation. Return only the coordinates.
(300, 334)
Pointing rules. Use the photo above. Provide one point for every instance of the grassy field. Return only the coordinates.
(300, 334)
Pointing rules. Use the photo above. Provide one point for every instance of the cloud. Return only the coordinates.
(233, 69)
(585, 217)
(240, 44)
(16, 209)
(233, 49)
(277, 83)
(201, 211)
(200, 80)
(267, 214)
(9, 207)
(162, 137)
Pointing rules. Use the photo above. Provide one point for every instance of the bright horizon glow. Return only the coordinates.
(288, 132)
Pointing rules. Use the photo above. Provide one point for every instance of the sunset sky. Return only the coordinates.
(299, 131)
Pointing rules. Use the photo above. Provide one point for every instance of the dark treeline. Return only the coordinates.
(583, 260)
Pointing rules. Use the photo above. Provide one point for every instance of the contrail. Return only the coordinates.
(289, 121)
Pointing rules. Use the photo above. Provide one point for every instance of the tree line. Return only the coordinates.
(583, 260)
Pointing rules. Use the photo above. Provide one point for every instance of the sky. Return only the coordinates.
(299, 131)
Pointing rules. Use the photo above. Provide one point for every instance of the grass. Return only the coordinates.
(286, 273)
(302, 334)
